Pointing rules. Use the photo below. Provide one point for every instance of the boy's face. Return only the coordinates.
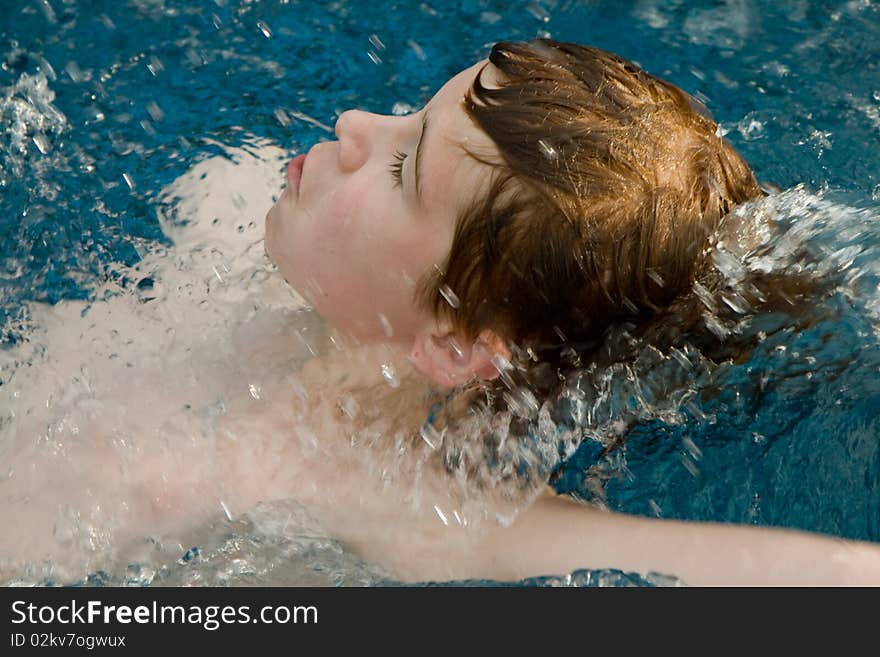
(351, 239)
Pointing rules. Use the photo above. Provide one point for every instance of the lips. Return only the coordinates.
(294, 173)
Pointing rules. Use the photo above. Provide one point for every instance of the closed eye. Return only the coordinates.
(397, 168)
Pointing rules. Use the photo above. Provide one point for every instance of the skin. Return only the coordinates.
(352, 240)
(77, 501)
(354, 244)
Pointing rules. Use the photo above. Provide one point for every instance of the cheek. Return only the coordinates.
(319, 243)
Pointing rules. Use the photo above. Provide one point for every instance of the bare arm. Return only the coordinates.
(557, 535)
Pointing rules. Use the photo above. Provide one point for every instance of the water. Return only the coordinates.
(142, 142)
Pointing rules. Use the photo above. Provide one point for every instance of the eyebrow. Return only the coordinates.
(419, 156)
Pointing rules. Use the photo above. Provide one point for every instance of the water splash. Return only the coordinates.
(28, 116)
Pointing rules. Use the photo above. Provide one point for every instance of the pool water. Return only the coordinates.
(141, 143)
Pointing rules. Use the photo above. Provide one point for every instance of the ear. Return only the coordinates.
(451, 360)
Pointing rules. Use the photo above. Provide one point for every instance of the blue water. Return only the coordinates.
(105, 103)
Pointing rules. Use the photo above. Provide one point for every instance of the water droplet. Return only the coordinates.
(387, 329)
(228, 515)
(47, 68)
(42, 143)
(450, 296)
(692, 448)
(690, 466)
(390, 376)
(431, 436)
(503, 365)
(629, 305)
(682, 359)
(264, 28)
(155, 111)
(736, 303)
(704, 295)
(417, 49)
(536, 10)
(282, 117)
(154, 65)
(348, 406)
(48, 11)
(521, 402)
(456, 347)
(74, 71)
(547, 150)
(195, 58)
(655, 276)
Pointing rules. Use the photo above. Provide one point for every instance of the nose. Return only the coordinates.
(353, 130)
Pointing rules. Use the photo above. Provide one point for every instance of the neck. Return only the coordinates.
(374, 379)
(348, 364)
